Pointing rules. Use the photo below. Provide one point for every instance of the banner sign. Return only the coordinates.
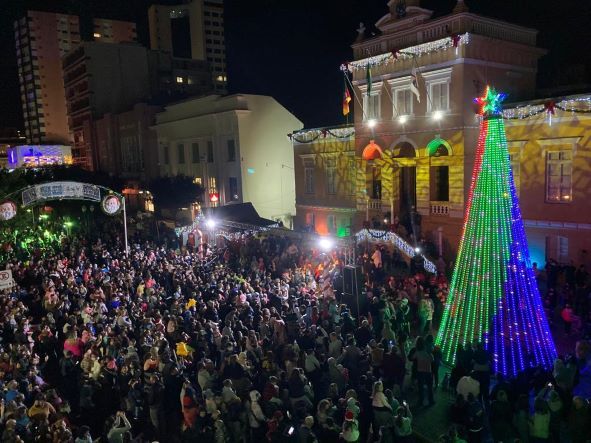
(6, 280)
(61, 190)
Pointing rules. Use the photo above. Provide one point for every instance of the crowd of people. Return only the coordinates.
(247, 342)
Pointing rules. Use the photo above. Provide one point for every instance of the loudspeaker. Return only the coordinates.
(352, 285)
(352, 280)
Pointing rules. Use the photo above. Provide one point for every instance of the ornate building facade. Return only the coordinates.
(416, 128)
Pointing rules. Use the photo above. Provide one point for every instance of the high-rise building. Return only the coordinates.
(113, 31)
(101, 78)
(193, 30)
(42, 39)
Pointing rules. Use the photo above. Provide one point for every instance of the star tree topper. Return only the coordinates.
(490, 102)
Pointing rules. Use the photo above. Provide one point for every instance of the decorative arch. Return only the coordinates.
(400, 148)
(372, 151)
(438, 148)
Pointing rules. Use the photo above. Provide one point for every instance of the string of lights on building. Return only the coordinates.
(577, 105)
(443, 44)
(311, 135)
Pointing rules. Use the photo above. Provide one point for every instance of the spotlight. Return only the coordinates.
(437, 115)
(372, 122)
(418, 250)
(210, 223)
(325, 244)
(402, 119)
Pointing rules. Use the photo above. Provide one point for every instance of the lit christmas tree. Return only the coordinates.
(494, 297)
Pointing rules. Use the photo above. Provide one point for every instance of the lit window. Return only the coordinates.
(331, 222)
(559, 177)
(231, 151)
(331, 175)
(209, 151)
(179, 79)
(403, 101)
(309, 180)
(352, 181)
(516, 169)
(439, 95)
(97, 35)
(195, 152)
(371, 102)
(437, 85)
(234, 188)
(181, 153)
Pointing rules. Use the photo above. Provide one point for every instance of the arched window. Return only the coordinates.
(438, 148)
(439, 174)
(404, 150)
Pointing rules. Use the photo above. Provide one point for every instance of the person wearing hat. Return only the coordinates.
(350, 432)
(306, 435)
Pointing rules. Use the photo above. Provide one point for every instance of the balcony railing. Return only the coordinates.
(440, 208)
(374, 204)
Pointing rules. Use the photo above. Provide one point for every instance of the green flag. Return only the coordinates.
(368, 79)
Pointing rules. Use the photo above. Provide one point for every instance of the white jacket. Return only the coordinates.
(255, 414)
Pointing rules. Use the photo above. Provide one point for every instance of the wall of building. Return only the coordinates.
(331, 207)
(114, 31)
(126, 143)
(266, 150)
(257, 126)
(118, 75)
(531, 141)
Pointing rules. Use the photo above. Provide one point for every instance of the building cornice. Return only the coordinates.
(548, 224)
(441, 27)
(438, 66)
(327, 208)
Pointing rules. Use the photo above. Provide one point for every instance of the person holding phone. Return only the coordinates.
(403, 423)
(121, 426)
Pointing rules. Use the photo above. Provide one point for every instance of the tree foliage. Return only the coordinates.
(175, 192)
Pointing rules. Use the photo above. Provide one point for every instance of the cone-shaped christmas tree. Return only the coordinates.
(494, 298)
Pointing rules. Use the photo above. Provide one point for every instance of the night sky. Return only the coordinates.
(292, 49)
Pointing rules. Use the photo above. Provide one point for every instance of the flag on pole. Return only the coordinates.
(414, 85)
(346, 100)
(368, 77)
